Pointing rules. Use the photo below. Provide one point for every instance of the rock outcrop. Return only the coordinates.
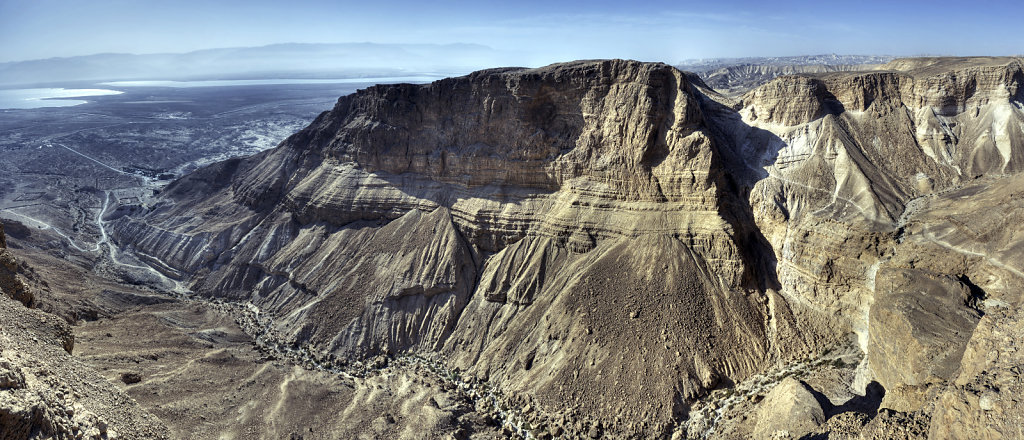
(45, 393)
(788, 411)
(983, 400)
(934, 318)
(608, 241)
(12, 282)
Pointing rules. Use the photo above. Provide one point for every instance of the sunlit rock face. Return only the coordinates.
(610, 240)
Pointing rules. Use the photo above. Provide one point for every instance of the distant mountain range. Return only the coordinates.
(706, 64)
(735, 76)
(345, 60)
(273, 61)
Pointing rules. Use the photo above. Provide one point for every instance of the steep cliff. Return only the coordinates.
(12, 282)
(892, 200)
(520, 220)
(849, 158)
(739, 79)
(609, 241)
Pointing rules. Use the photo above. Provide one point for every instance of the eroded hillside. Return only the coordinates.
(45, 392)
(609, 242)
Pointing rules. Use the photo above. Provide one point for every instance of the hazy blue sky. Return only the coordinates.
(547, 30)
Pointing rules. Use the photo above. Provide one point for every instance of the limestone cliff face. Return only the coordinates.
(843, 154)
(790, 100)
(610, 130)
(608, 239)
(739, 79)
(921, 128)
(521, 220)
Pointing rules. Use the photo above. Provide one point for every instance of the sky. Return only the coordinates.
(543, 30)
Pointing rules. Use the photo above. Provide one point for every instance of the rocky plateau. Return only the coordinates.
(593, 249)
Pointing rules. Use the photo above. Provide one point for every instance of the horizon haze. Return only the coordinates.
(530, 33)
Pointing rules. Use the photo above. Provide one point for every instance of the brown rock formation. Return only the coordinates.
(983, 401)
(367, 231)
(739, 79)
(932, 317)
(611, 240)
(788, 410)
(12, 283)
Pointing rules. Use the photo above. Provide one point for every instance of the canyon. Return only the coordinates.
(593, 249)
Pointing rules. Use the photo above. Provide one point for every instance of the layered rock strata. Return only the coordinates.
(611, 239)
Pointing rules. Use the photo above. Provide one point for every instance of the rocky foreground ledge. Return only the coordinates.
(45, 392)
